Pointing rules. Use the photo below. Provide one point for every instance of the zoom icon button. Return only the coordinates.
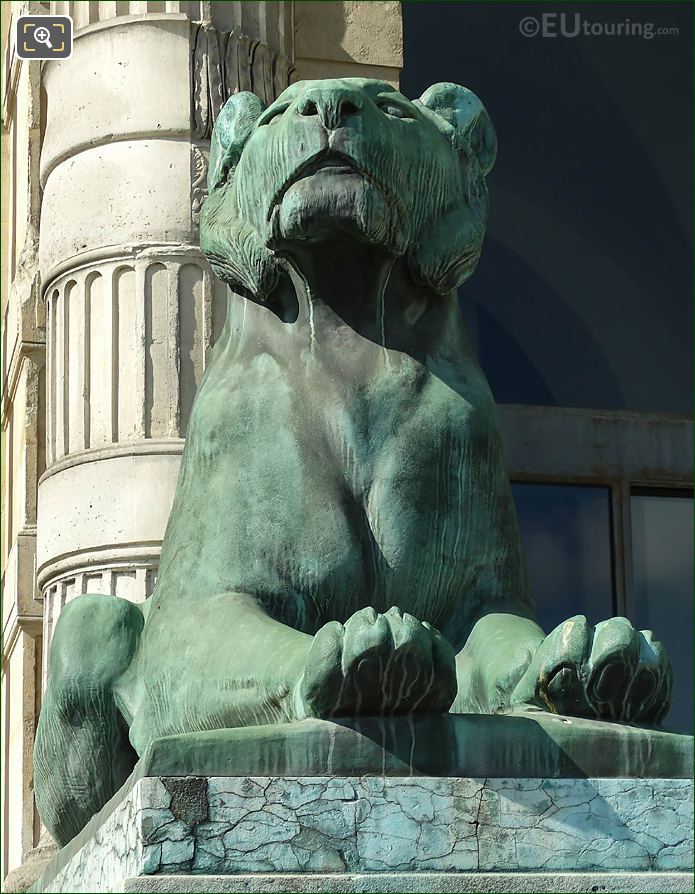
(44, 37)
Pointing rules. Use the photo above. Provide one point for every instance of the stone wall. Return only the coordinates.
(349, 39)
(23, 436)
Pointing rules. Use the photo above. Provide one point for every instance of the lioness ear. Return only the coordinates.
(466, 115)
(229, 135)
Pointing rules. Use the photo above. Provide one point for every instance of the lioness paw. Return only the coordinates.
(610, 671)
(378, 664)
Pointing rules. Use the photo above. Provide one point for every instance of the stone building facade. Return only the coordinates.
(109, 310)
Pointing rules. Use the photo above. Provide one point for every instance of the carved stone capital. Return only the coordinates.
(225, 62)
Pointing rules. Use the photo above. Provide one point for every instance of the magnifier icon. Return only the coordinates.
(43, 35)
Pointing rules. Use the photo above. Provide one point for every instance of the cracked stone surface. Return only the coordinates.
(221, 825)
(113, 852)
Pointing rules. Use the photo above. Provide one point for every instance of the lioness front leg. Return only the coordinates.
(378, 664)
(611, 671)
(253, 669)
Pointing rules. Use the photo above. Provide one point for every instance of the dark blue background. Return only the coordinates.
(582, 295)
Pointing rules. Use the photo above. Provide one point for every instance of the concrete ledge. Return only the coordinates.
(414, 883)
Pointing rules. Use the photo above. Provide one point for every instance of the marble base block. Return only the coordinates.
(358, 826)
(450, 804)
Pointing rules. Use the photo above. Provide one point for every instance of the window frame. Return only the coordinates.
(624, 451)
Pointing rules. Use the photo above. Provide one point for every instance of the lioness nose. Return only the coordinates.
(331, 104)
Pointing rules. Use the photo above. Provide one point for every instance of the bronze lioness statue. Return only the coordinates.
(343, 539)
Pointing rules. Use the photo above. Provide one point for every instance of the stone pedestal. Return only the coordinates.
(378, 822)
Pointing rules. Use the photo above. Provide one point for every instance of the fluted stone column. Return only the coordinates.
(132, 307)
(128, 306)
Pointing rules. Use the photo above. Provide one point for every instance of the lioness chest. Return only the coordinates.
(332, 493)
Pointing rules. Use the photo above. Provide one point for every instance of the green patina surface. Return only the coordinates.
(534, 744)
(343, 540)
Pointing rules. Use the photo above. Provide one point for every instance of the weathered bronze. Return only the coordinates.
(343, 539)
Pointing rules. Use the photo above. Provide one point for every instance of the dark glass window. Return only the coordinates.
(566, 536)
(662, 550)
(582, 293)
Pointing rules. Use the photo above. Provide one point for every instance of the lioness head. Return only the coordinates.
(348, 158)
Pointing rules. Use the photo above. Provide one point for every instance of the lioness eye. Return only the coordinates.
(390, 108)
